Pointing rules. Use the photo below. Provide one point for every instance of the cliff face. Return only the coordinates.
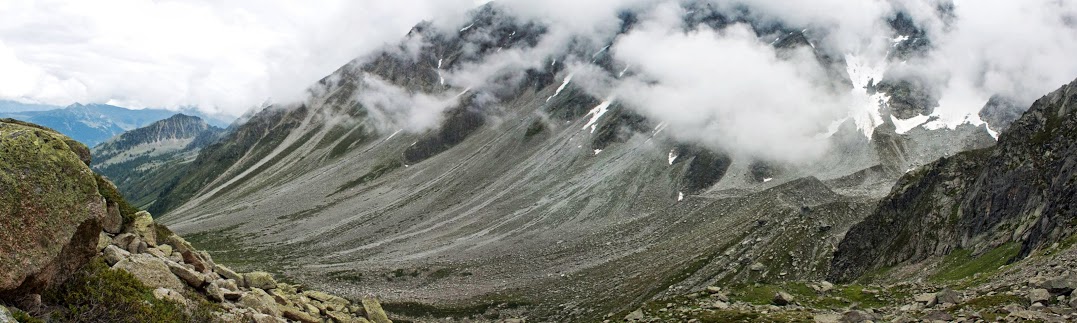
(1020, 190)
(49, 205)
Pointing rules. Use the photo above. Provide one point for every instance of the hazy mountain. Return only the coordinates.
(94, 123)
(139, 160)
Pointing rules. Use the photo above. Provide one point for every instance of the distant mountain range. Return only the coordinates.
(138, 160)
(93, 124)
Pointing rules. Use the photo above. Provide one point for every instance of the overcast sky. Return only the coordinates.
(223, 56)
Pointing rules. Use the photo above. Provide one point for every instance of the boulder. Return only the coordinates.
(928, 299)
(228, 273)
(113, 255)
(227, 284)
(103, 240)
(948, 296)
(6, 316)
(1061, 286)
(636, 315)
(295, 314)
(782, 299)
(757, 267)
(165, 249)
(142, 225)
(231, 295)
(111, 220)
(124, 240)
(193, 278)
(259, 279)
(200, 260)
(1039, 295)
(50, 209)
(1073, 303)
(937, 316)
(374, 312)
(714, 289)
(214, 292)
(156, 253)
(258, 300)
(343, 317)
(857, 317)
(150, 271)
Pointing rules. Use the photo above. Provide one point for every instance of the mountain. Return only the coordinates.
(14, 106)
(1020, 191)
(94, 123)
(540, 198)
(139, 159)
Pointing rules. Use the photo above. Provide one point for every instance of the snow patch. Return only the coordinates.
(622, 74)
(468, 27)
(767, 180)
(680, 196)
(561, 88)
(672, 156)
(597, 151)
(904, 126)
(597, 113)
(861, 73)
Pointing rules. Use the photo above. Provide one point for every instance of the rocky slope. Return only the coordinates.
(140, 159)
(540, 195)
(1021, 191)
(64, 227)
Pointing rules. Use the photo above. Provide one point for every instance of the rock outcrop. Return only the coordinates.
(1021, 190)
(175, 269)
(50, 206)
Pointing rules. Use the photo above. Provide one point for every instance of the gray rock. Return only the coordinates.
(228, 273)
(258, 300)
(1039, 295)
(757, 267)
(6, 316)
(165, 249)
(948, 296)
(193, 278)
(123, 240)
(260, 279)
(113, 255)
(636, 315)
(857, 317)
(298, 315)
(937, 316)
(214, 292)
(227, 284)
(1061, 286)
(231, 295)
(150, 271)
(928, 299)
(111, 220)
(1073, 303)
(782, 299)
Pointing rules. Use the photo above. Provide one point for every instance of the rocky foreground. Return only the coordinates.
(1036, 289)
(73, 250)
(170, 265)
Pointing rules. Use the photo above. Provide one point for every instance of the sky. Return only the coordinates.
(719, 87)
(221, 56)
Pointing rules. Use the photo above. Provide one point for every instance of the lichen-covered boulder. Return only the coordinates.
(260, 279)
(142, 225)
(150, 271)
(50, 208)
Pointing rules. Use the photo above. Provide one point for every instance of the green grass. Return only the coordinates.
(838, 298)
(742, 316)
(961, 264)
(989, 306)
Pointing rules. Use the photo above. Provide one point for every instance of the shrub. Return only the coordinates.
(97, 293)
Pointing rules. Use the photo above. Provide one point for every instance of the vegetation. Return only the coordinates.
(112, 195)
(99, 294)
(961, 264)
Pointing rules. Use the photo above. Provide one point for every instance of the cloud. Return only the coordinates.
(727, 89)
(223, 56)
